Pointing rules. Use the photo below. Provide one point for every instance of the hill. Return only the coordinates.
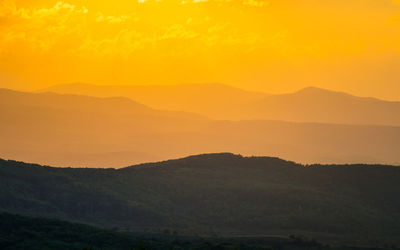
(19, 232)
(223, 102)
(219, 194)
(72, 130)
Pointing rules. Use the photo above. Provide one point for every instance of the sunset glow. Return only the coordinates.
(272, 46)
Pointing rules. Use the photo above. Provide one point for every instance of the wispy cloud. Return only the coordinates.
(43, 29)
(204, 36)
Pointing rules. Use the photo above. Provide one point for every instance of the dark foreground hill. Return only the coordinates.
(18, 232)
(216, 194)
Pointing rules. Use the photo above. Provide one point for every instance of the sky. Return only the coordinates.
(273, 46)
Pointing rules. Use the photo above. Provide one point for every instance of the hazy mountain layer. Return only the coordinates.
(222, 194)
(70, 130)
(319, 105)
(223, 102)
(214, 100)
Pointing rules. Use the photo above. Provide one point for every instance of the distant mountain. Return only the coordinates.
(80, 130)
(72, 130)
(211, 99)
(220, 194)
(81, 103)
(319, 105)
(223, 102)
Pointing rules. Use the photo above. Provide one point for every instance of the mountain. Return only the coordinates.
(222, 194)
(319, 105)
(223, 102)
(211, 99)
(81, 103)
(82, 131)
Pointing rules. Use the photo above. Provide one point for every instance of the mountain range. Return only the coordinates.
(224, 102)
(75, 130)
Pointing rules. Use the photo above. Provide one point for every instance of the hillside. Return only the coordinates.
(19, 232)
(224, 102)
(82, 131)
(221, 194)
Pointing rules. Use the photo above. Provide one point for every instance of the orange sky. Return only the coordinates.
(273, 45)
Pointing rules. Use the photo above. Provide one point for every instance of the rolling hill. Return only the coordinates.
(19, 232)
(73, 130)
(219, 194)
(223, 102)
(22, 232)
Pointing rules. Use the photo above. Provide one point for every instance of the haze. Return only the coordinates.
(103, 83)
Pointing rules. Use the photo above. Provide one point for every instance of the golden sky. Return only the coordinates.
(268, 45)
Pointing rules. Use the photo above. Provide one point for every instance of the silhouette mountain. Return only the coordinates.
(71, 130)
(223, 193)
(223, 102)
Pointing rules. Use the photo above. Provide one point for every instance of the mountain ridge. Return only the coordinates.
(310, 104)
(204, 158)
(74, 101)
(307, 89)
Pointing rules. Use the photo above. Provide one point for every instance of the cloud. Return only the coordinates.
(7, 7)
(256, 3)
(68, 28)
(113, 19)
(39, 28)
